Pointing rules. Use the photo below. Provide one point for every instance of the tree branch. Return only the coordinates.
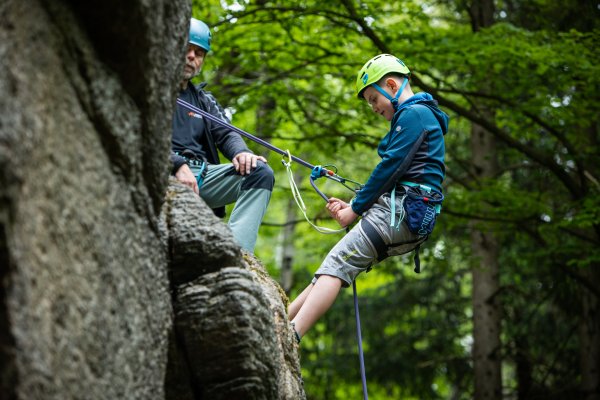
(544, 159)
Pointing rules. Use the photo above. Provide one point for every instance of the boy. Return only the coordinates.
(397, 200)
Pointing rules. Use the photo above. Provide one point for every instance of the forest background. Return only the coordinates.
(507, 303)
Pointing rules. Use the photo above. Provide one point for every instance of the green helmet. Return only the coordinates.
(376, 68)
(199, 34)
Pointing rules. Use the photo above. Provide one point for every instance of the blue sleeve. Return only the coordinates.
(406, 134)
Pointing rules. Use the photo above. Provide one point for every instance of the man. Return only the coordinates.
(247, 180)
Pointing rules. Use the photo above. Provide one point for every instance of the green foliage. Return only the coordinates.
(286, 70)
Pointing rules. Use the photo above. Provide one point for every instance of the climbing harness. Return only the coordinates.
(419, 208)
(317, 172)
(401, 213)
(193, 161)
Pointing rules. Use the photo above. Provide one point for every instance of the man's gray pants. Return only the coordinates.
(251, 193)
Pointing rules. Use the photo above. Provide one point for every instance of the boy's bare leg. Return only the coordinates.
(297, 303)
(319, 299)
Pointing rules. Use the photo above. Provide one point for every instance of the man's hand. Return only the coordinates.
(341, 211)
(245, 162)
(185, 175)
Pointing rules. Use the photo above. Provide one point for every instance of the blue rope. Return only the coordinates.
(361, 357)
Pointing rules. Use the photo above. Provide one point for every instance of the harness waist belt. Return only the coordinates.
(416, 185)
(193, 160)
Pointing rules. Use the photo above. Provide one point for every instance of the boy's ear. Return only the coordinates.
(391, 83)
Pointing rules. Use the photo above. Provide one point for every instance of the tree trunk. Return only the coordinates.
(486, 310)
(487, 359)
(287, 249)
(486, 318)
(524, 368)
(589, 327)
(589, 334)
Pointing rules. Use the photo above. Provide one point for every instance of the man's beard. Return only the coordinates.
(187, 74)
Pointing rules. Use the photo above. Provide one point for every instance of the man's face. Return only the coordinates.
(379, 103)
(194, 58)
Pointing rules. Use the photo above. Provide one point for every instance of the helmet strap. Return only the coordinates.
(393, 100)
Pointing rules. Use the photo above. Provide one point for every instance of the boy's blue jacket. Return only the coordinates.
(413, 150)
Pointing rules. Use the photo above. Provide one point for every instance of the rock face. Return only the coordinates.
(101, 296)
(231, 327)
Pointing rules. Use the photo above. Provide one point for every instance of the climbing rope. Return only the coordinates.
(361, 357)
(325, 172)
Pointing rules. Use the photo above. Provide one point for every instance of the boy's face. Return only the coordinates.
(378, 102)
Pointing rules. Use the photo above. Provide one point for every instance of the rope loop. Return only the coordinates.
(300, 203)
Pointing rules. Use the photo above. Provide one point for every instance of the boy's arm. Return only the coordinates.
(394, 162)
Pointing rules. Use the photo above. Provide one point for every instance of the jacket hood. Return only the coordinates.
(427, 100)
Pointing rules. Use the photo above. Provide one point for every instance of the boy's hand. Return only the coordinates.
(334, 205)
(346, 216)
(341, 211)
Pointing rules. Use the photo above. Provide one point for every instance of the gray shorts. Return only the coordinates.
(355, 253)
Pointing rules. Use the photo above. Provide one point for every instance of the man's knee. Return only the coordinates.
(261, 177)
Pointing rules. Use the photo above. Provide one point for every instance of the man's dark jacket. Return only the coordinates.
(199, 138)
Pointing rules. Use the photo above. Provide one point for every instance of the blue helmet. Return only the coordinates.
(200, 34)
